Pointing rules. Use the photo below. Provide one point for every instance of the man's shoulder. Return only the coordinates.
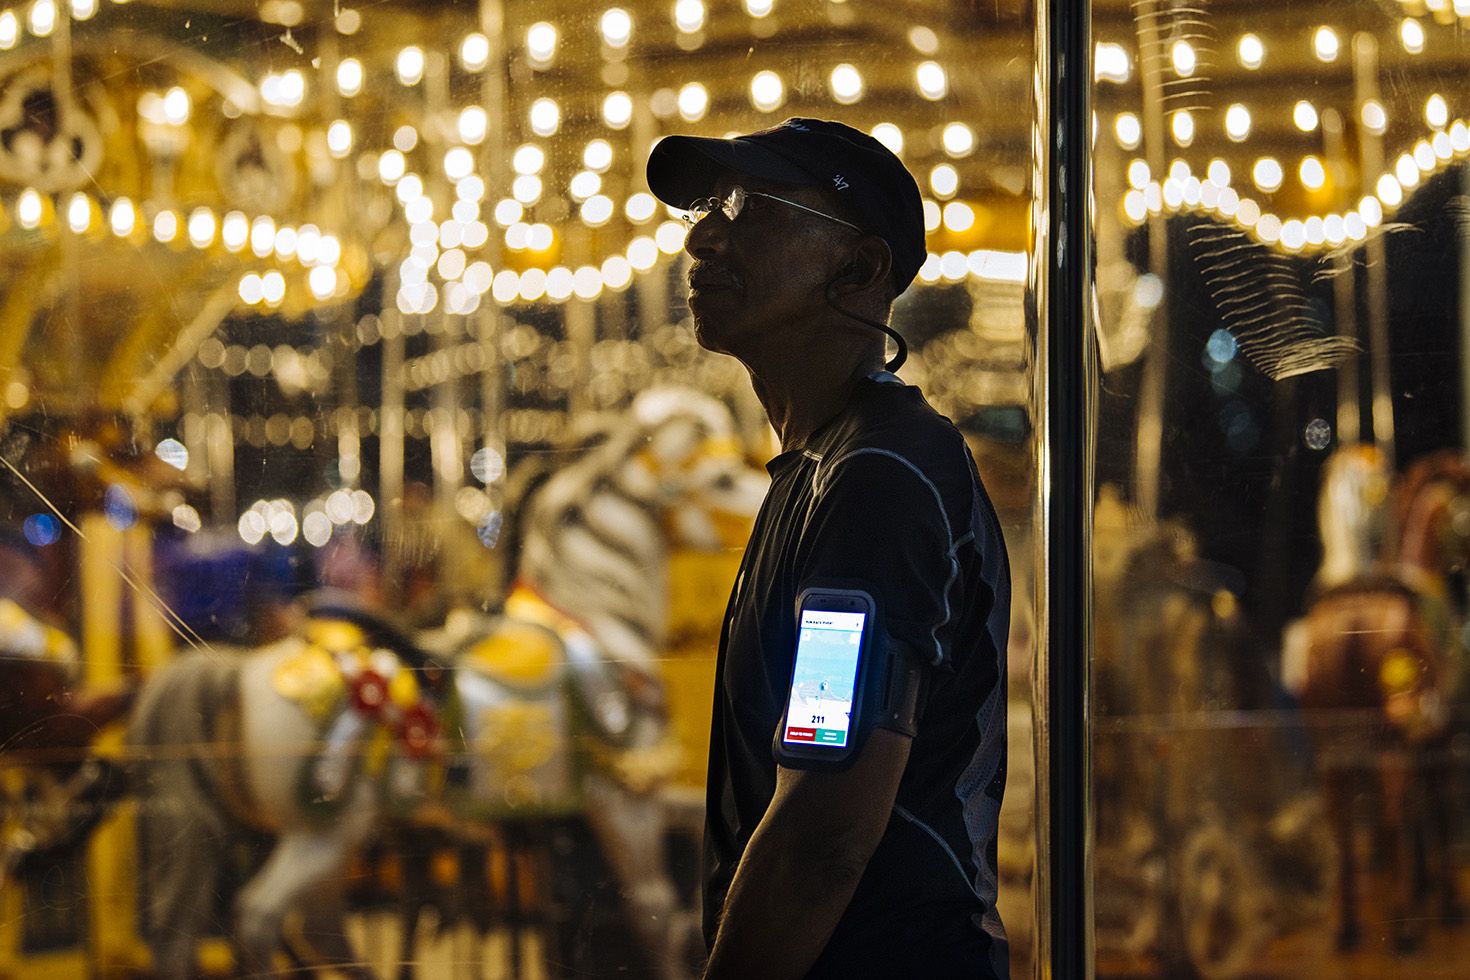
(895, 422)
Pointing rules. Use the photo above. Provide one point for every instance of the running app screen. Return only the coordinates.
(826, 667)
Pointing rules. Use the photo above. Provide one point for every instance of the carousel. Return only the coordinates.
(368, 508)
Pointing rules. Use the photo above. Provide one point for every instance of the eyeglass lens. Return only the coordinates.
(730, 206)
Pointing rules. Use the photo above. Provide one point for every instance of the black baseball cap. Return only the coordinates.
(881, 195)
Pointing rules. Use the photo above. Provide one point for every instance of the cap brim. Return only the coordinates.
(685, 169)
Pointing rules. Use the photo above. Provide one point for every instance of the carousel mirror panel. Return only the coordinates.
(1281, 755)
(368, 509)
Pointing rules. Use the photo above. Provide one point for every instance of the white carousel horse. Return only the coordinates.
(315, 738)
(1352, 513)
(587, 614)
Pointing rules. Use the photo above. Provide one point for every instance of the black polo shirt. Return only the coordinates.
(885, 494)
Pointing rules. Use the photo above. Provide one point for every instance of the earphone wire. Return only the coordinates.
(897, 360)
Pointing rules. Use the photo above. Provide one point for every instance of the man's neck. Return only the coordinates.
(801, 398)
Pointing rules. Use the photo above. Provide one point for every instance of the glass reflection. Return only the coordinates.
(1279, 673)
(367, 508)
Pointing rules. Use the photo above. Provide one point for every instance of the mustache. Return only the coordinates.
(705, 272)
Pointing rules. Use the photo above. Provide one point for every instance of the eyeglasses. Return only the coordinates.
(735, 201)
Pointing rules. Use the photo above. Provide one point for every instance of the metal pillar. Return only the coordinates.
(1066, 395)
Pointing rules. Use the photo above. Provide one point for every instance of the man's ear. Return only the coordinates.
(866, 269)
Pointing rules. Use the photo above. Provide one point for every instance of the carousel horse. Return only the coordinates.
(554, 707)
(1379, 669)
(587, 614)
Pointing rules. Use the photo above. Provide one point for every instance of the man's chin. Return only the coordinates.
(707, 335)
(709, 326)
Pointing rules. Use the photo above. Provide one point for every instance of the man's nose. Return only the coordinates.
(708, 237)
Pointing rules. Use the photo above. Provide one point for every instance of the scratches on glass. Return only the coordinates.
(1261, 299)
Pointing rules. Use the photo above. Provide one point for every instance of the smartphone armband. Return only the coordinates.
(846, 680)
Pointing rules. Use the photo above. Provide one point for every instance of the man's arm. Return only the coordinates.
(804, 861)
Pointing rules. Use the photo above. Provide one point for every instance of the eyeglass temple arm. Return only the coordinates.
(803, 207)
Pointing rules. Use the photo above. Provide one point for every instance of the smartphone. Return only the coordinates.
(824, 703)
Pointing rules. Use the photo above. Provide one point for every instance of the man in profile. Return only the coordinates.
(803, 235)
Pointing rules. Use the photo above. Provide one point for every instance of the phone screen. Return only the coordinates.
(820, 709)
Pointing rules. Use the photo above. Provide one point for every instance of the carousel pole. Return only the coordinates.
(220, 436)
(652, 286)
(390, 440)
(1370, 161)
(446, 448)
(1066, 396)
(580, 318)
(1465, 317)
(196, 441)
(1344, 293)
(491, 320)
(1149, 448)
(342, 341)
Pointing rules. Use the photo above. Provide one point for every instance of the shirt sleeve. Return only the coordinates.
(879, 522)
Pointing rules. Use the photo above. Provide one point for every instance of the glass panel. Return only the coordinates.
(352, 564)
(1279, 525)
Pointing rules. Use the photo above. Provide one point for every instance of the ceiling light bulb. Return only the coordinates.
(349, 77)
(1128, 130)
(1237, 122)
(545, 117)
(1325, 44)
(617, 110)
(617, 27)
(944, 179)
(597, 156)
(1110, 63)
(958, 139)
(1183, 57)
(1375, 119)
(1250, 51)
(474, 124)
(541, 44)
(693, 102)
(1304, 115)
(1182, 126)
(767, 91)
(474, 52)
(1267, 174)
(1411, 34)
(932, 80)
(1436, 112)
(689, 15)
(528, 159)
(847, 84)
(409, 66)
(1313, 175)
(890, 136)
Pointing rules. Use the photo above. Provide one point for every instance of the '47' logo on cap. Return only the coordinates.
(839, 183)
